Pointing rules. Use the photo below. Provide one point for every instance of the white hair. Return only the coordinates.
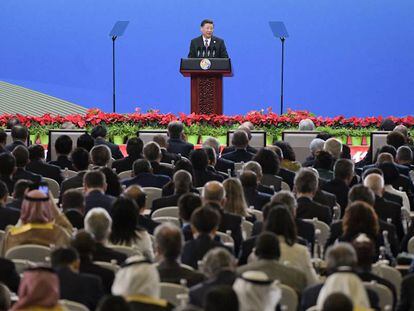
(253, 166)
(334, 147)
(316, 145)
(98, 222)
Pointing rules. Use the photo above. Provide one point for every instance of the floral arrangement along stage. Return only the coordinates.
(122, 126)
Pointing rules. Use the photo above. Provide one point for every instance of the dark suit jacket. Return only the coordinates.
(9, 183)
(194, 250)
(223, 165)
(340, 190)
(72, 182)
(256, 198)
(15, 204)
(147, 180)
(46, 170)
(287, 176)
(198, 292)
(266, 189)
(97, 199)
(232, 222)
(103, 253)
(22, 173)
(238, 155)
(75, 217)
(161, 169)
(168, 157)
(179, 146)
(232, 148)
(86, 289)
(116, 153)
(63, 162)
(125, 164)
(325, 198)
(202, 177)
(107, 276)
(172, 272)
(8, 216)
(147, 223)
(407, 293)
(10, 147)
(387, 209)
(171, 200)
(216, 44)
(309, 209)
(9, 275)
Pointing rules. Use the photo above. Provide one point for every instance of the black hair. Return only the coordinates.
(221, 298)
(268, 160)
(63, 144)
(134, 147)
(80, 159)
(36, 152)
(187, 204)
(7, 164)
(199, 159)
(124, 221)
(21, 154)
(85, 141)
(19, 132)
(267, 246)
(205, 219)
(206, 21)
(4, 191)
(280, 222)
(99, 131)
(63, 256)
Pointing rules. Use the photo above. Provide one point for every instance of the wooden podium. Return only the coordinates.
(207, 83)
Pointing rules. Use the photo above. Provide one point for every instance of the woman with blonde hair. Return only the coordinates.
(235, 201)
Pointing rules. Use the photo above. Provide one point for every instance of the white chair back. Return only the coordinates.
(22, 264)
(170, 211)
(390, 274)
(384, 294)
(289, 300)
(107, 265)
(172, 220)
(2, 234)
(284, 186)
(129, 251)
(410, 246)
(257, 213)
(53, 185)
(200, 189)
(247, 228)
(73, 305)
(68, 173)
(152, 194)
(170, 292)
(31, 252)
(125, 175)
(226, 239)
(323, 227)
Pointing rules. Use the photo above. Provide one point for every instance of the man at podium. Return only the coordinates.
(207, 45)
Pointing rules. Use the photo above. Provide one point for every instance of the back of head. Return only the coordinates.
(240, 139)
(338, 302)
(94, 179)
(205, 220)
(183, 164)
(221, 298)
(152, 151)
(316, 145)
(385, 157)
(267, 246)
(73, 199)
(254, 167)
(404, 155)
(323, 160)
(36, 208)
(4, 192)
(169, 241)
(85, 141)
(280, 222)
(20, 133)
(63, 257)
(124, 221)
(247, 130)
(175, 129)
(306, 125)
(21, 154)
(20, 188)
(306, 181)
(286, 198)
(213, 191)
(375, 182)
(84, 243)
(344, 169)
(396, 139)
(334, 147)
(361, 193)
(113, 303)
(187, 204)
(134, 147)
(99, 131)
(387, 125)
(12, 122)
(101, 155)
(98, 223)
(182, 181)
(211, 155)
(217, 260)
(340, 255)
(235, 201)
(137, 194)
(63, 145)
(249, 179)
(401, 129)
(36, 152)
(359, 218)
(268, 160)
(199, 159)
(3, 137)
(80, 159)
(287, 150)
(365, 251)
(386, 149)
(161, 140)
(141, 166)
(390, 172)
(213, 143)
(7, 164)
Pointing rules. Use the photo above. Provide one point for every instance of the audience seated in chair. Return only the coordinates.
(80, 161)
(222, 164)
(63, 147)
(167, 157)
(182, 164)
(152, 152)
(221, 298)
(202, 172)
(257, 169)
(19, 134)
(7, 169)
(134, 148)
(21, 154)
(253, 196)
(187, 204)
(73, 206)
(144, 176)
(99, 133)
(85, 141)
(270, 165)
(240, 141)
(176, 143)
(94, 184)
(9, 216)
(235, 202)
(315, 146)
(246, 127)
(288, 160)
(38, 165)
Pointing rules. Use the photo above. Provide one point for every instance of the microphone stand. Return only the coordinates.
(113, 74)
(282, 74)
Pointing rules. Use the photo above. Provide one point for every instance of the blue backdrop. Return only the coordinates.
(343, 57)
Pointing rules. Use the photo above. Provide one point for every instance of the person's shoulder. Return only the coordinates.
(217, 39)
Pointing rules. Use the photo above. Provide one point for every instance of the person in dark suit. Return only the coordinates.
(98, 223)
(84, 243)
(38, 165)
(202, 174)
(7, 169)
(240, 142)
(339, 186)
(207, 45)
(152, 152)
(3, 141)
(20, 188)
(99, 133)
(407, 293)
(81, 160)
(253, 196)
(8, 216)
(212, 161)
(134, 148)
(176, 143)
(83, 288)
(222, 164)
(143, 176)
(9, 275)
(205, 222)
(21, 154)
(85, 141)
(94, 183)
(137, 194)
(19, 136)
(73, 206)
(166, 157)
(187, 204)
(249, 148)
(63, 147)
(219, 268)
(306, 185)
(182, 184)
(168, 242)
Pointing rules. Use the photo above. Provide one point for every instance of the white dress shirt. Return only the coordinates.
(208, 41)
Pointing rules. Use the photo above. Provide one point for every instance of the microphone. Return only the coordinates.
(198, 52)
(214, 51)
(204, 51)
(208, 51)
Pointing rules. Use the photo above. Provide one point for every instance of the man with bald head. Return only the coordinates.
(214, 196)
(385, 209)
